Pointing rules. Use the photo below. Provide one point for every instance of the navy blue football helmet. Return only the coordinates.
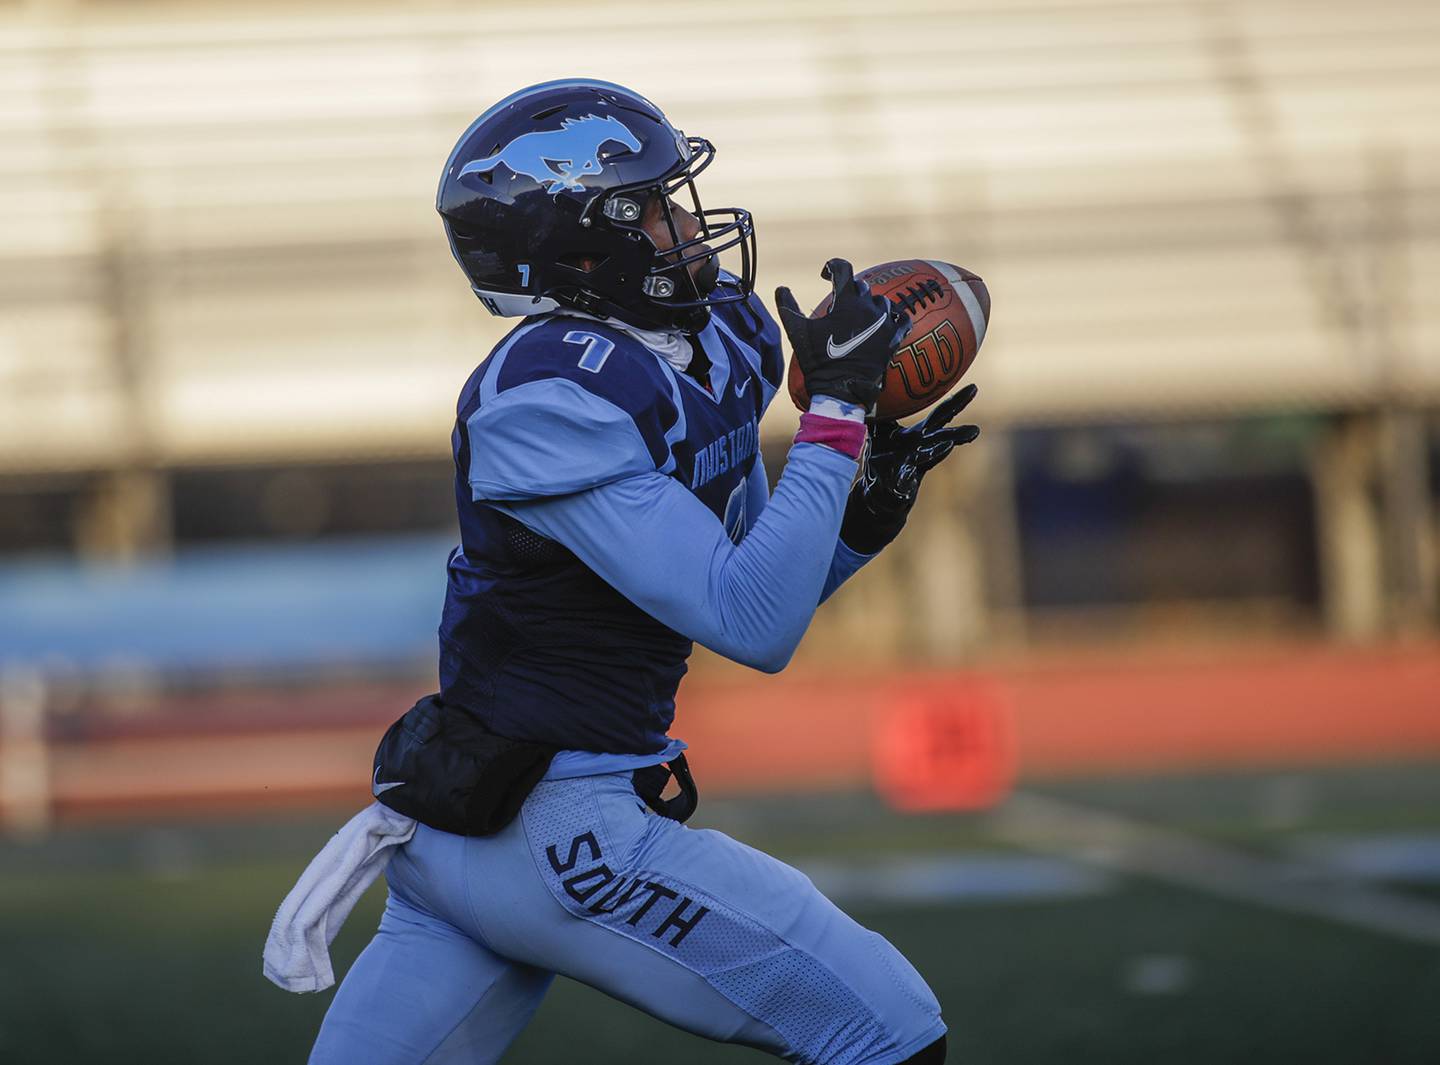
(543, 199)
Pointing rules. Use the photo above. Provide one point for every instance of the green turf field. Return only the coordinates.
(142, 943)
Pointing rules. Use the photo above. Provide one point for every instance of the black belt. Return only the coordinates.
(441, 766)
(650, 781)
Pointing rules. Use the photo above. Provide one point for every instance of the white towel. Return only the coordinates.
(297, 951)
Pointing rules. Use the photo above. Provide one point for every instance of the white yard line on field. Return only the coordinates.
(1120, 844)
(1410, 856)
(947, 879)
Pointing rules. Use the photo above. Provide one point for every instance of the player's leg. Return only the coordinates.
(697, 929)
(423, 991)
(499, 901)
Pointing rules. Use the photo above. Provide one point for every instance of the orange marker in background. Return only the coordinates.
(949, 748)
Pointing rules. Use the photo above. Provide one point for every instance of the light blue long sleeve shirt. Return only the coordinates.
(662, 549)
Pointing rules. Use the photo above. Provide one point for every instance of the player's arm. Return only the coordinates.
(844, 561)
(660, 547)
(575, 469)
(882, 498)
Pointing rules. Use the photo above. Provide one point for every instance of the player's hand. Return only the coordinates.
(844, 353)
(899, 459)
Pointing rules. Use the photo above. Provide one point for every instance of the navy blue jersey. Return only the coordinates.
(531, 639)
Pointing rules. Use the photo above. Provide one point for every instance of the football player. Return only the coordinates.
(614, 508)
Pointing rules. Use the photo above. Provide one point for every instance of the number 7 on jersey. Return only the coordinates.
(597, 349)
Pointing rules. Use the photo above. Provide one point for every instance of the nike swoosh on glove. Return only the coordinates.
(844, 353)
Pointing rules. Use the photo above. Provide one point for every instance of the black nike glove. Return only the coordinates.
(844, 353)
(882, 497)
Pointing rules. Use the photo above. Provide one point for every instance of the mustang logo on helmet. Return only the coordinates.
(559, 158)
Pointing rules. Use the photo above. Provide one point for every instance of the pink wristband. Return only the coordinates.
(842, 434)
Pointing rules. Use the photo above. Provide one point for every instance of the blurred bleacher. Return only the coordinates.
(219, 243)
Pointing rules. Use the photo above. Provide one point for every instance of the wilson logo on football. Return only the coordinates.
(558, 158)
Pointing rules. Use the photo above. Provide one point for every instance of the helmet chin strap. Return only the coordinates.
(707, 277)
(703, 282)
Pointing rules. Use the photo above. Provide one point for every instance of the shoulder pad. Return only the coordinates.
(567, 405)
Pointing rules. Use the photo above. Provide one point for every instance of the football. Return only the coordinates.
(949, 308)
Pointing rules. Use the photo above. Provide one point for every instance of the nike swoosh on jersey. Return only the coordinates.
(740, 388)
(839, 351)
